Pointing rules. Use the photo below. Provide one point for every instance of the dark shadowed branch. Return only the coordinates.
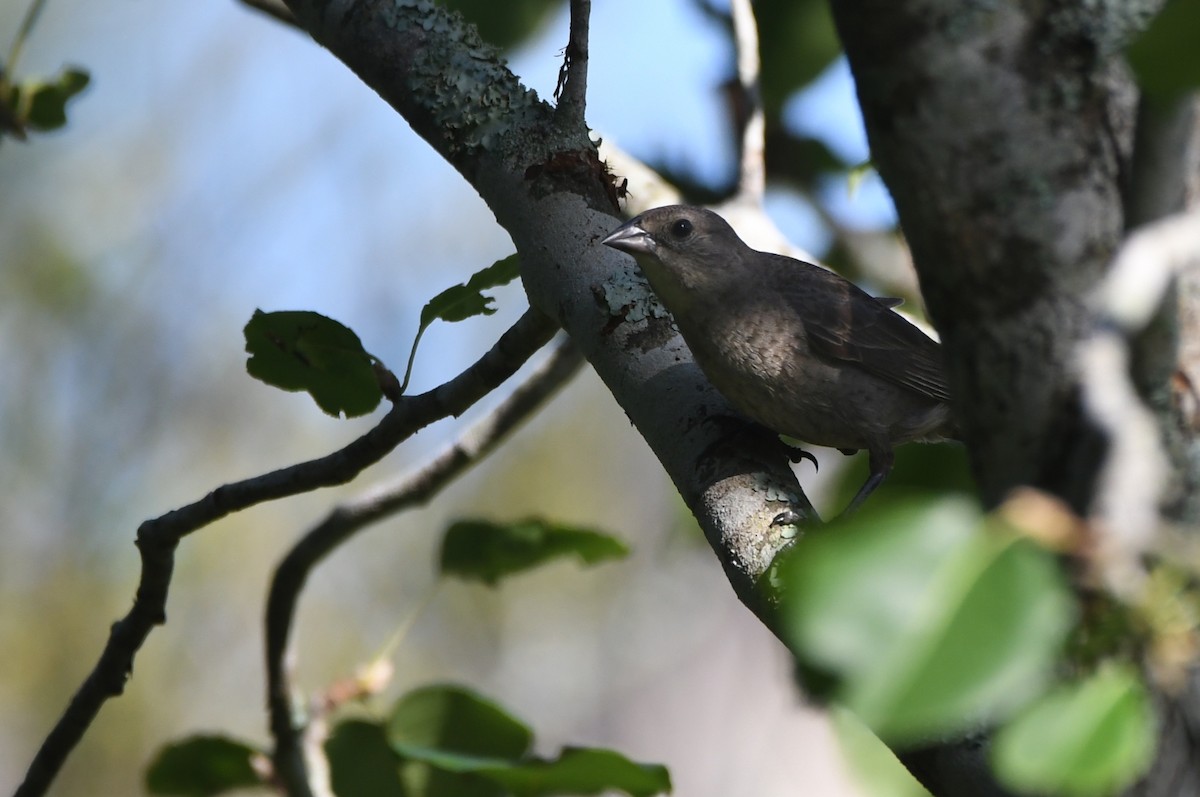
(572, 78)
(292, 767)
(158, 538)
(1011, 204)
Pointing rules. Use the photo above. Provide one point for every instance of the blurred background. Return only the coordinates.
(221, 162)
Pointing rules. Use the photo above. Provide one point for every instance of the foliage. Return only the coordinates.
(798, 41)
(40, 104)
(930, 622)
(203, 765)
(442, 739)
(1165, 57)
(463, 301)
(302, 350)
(923, 617)
(928, 619)
(487, 551)
(506, 25)
(1092, 737)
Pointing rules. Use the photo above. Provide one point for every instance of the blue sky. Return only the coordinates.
(289, 158)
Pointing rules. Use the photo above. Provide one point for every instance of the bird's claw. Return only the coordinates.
(788, 517)
(798, 455)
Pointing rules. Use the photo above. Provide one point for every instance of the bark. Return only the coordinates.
(1002, 131)
(538, 171)
(1005, 132)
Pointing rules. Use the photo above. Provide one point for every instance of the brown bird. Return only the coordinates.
(791, 345)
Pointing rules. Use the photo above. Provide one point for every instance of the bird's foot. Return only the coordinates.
(788, 517)
(798, 455)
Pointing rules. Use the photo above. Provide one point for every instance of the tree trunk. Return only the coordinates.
(1005, 132)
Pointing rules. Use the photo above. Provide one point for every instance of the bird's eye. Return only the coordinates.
(681, 228)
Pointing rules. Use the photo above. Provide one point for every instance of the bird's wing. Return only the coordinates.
(845, 323)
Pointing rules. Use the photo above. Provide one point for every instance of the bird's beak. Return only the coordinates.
(631, 238)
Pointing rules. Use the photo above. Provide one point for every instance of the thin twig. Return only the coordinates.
(571, 91)
(752, 172)
(27, 23)
(291, 764)
(276, 10)
(158, 538)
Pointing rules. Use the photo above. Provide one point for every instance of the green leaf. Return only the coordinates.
(1165, 57)
(203, 765)
(577, 770)
(583, 770)
(463, 301)
(475, 747)
(928, 623)
(467, 300)
(507, 24)
(438, 724)
(361, 762)
(455, 720)
(919, 471)
(875, 767)
(42, 104)
(798, 41)
(485, 551)
(1088, 739)
(301, 350)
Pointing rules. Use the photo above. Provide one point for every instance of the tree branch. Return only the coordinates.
(1009, 191)
(556, 208)
(571, 91)
(1004, 134)
(291, 764)
(158, 538)
(752, 170)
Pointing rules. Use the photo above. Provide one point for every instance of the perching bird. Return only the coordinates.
(791, 345)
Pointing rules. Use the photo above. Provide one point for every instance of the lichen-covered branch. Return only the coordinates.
(550, 191)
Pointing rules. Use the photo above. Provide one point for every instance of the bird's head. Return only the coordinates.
(679, 248)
